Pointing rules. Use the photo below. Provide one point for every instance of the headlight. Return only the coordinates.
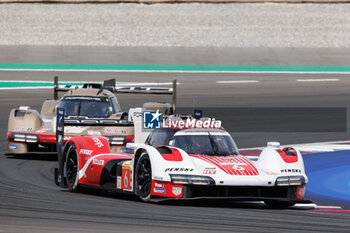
(190, 179)
(290, 180)
(116, 140)
(16, 137)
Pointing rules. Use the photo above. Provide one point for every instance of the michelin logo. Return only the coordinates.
(151, 119)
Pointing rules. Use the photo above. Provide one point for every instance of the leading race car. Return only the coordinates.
(189, 163)
(29, 131)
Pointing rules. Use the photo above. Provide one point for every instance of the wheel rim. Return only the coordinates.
(144, 177)
(71, 168)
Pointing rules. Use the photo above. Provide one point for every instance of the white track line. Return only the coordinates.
(318, 80)
(237, 81)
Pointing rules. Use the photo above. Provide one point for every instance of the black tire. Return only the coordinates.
(143, 177)
(71, 169)
(279, 204)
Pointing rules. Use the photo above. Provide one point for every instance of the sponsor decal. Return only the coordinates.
(125, 150)
(209, 171)
(192, 123)
(137, 114)
(119, 182)
(178, 169)
(13, 147)
(151, 119)
(94, 133)
(291, 171)
(85, 152)
(97, 141)
(23, 129)
(41, 131)
(116, 131)
(98, 162)
(158, 190)
(158, 185)
(301, 192)
(177, 191)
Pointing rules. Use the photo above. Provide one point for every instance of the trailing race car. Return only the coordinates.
(29, 131)
(188, 163)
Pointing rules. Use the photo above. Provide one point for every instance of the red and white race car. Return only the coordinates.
(190, 163)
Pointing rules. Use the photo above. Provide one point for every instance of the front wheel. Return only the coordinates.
(279, 204)
(71, 168)
(143, 179)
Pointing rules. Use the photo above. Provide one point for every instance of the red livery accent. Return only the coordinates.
(288, 154)
(98, 145)
(175, 155)
(300, 191)
(166, 189)
(126, 176)
(50, 139)
(232, 165)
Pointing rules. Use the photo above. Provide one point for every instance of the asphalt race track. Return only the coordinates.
(30, 202)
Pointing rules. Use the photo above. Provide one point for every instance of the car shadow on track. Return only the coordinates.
(220, 204)
(195, 203)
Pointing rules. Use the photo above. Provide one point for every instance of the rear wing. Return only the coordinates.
(61, 122)
(110, 85)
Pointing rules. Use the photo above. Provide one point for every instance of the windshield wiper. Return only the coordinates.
(213, 144)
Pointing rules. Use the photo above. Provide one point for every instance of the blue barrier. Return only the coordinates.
(329, 178)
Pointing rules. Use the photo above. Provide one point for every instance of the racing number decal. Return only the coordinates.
(126, 180)
(238, 166)
(126, 175)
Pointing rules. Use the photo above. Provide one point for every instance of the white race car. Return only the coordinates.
(186, 164)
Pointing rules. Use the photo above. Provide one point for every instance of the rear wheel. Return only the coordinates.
(71, 168)
(279, 204)
(143, 179)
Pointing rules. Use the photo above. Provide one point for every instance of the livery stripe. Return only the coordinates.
(247, 173)
(256, 172)
(219, 160)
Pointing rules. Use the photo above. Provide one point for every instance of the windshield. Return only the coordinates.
(84, 106)
(207, 143)
(160, 137)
